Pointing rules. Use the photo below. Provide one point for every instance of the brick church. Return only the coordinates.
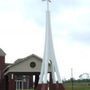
(22, 74)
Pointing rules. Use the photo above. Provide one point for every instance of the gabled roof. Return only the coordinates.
(10, 67)
(23, 59)
(2, 53)
(20, 61)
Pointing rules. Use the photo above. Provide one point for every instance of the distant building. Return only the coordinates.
(22, 74)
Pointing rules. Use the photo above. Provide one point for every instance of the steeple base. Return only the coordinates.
(42, 87)
(56, 86)
(50, 87)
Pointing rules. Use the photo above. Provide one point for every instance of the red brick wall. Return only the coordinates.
(2, 66)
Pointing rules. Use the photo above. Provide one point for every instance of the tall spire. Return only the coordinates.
(49, 57)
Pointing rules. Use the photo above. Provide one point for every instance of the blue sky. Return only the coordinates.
(22, 27)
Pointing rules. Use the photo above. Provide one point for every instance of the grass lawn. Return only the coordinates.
(74, 88)
(77, 87)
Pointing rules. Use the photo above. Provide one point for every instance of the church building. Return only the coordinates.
(23, 74)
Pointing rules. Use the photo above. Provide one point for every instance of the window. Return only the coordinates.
(32, 64)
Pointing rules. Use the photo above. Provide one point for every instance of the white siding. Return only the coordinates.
(24, 66)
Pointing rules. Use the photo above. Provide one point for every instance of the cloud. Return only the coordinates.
(72, 20)
(83, 37)
(22, 29)
(18, 34)
(73, 45)
(72, 54)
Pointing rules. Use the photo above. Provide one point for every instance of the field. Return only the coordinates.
(77, 86)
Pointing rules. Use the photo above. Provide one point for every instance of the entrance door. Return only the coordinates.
(19, 84)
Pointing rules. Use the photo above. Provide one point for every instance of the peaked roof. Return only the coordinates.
(23, 59)
(2, 53)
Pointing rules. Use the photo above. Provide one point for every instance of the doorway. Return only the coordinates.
(19, 84)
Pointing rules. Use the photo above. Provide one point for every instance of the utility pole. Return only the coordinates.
(72, 77)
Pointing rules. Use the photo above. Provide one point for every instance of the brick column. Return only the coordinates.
(42, 87)
(2, 66)
(11, 82)
(31, 81)
(36, 80)
(5, 83)
(57, 86)
(60, 86)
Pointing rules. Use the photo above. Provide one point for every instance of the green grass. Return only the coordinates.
(77, 86)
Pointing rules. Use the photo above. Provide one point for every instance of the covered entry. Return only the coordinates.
(26, 82)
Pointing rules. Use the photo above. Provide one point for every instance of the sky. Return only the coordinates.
(22, 32)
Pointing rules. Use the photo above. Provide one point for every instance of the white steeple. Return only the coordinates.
(49, 55)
